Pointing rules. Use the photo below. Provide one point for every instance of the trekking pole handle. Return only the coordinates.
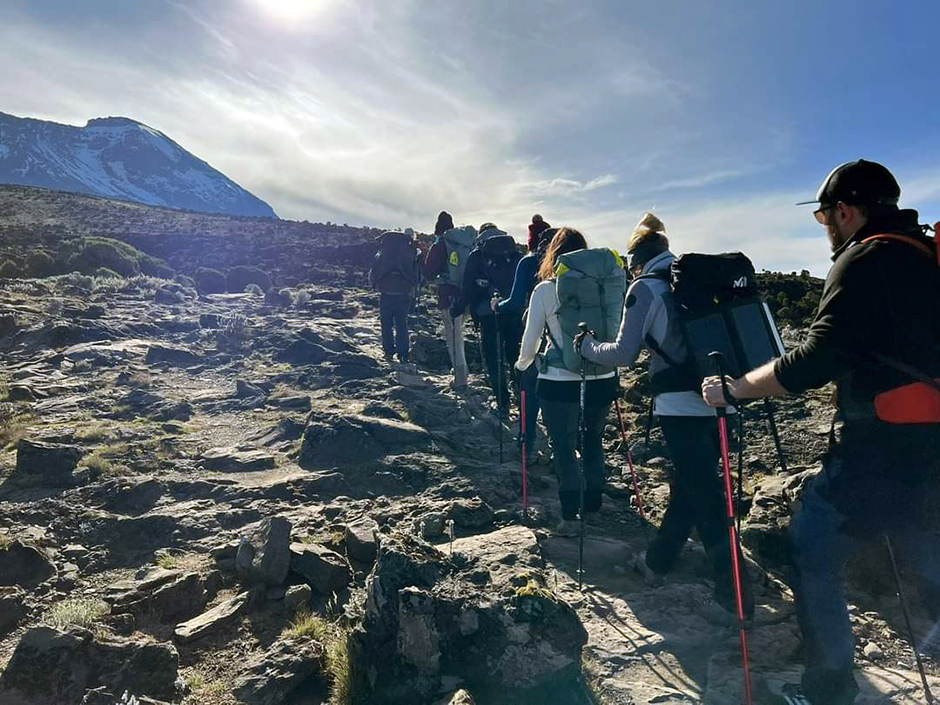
(717, 358)
(582, 326)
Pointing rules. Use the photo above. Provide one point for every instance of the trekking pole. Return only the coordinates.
(740, 410)
(499, 387)
(769, 409)
(732, 531)
(582, 433)
(626, 444)
(525, 460)
(907, 621)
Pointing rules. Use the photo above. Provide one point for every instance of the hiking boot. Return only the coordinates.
(650, 576)
(780, 693)
(568, 528)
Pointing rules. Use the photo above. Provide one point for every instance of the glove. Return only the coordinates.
(579, 340)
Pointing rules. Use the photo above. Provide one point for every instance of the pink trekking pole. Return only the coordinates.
(626, 444)
(732, 531)
(525, 460)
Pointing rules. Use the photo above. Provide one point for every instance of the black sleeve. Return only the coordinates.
(468, 286)
(848, 316)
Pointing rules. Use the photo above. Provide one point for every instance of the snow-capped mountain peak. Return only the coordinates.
(118, 157)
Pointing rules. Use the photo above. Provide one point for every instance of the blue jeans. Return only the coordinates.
(393, 312)
(823, 541)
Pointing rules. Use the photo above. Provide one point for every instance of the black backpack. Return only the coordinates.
(500, 255)
(720, 309)
(396, 261)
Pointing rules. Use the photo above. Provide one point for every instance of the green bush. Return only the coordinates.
(153, 267)
(94, 253)
(240, 277)
(8, 270)
(209, 281)
(40, 264)
(105, 273)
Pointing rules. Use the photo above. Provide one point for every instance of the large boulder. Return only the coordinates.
(484, 617)
(270, 677)
(354, 439)
(326, 571)
(12, 609)
(47, 463)
(171, 355)
(53, 666)
(264, 557)
(24, 565)
(161, 593)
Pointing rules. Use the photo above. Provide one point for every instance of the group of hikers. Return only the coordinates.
(557, 322)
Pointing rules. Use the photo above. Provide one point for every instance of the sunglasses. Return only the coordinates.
(820, 213)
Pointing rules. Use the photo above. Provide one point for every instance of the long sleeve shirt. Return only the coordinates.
(650, 313)
(522, 285)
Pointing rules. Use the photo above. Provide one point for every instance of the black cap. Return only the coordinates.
(860, 183)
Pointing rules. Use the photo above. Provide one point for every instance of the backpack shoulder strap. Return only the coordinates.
(914, 242)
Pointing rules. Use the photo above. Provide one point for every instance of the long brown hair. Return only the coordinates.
(565, 240)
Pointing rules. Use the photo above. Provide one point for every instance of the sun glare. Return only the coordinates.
(291, 12)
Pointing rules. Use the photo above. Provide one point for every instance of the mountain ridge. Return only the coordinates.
(118, 157)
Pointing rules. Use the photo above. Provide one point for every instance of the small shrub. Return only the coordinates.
(97, 252)
(185, 281)
(254, 290)
(334, 639)
(98, 463)
(105, 273)
(40, 264)
(80, 612)
(8, 270)
(301, 298)
(240, 277)
(154, 267)
(209, 281)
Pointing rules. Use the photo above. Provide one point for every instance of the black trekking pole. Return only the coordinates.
(769, 409)
(582, 434)
(499, 387)
(907, 621)
(736, 555)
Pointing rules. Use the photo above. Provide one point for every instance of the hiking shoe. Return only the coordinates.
(780, 693)
(568, 528)
(715, 612)
(841, 691)
(650, 576)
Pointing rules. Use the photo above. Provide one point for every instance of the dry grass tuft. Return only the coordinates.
(334, 639)
(80, 612)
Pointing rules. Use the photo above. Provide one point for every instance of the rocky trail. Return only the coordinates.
(211, 499)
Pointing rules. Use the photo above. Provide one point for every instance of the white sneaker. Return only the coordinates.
(650, 576)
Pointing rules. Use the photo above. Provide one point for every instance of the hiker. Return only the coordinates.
(688, 424)
(395, 274)
(489, 273)
(526, 277)
(558, 389)
(445, 262)
(875, 335)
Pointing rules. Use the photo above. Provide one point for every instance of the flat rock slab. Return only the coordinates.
(218, 617)
(234, 460)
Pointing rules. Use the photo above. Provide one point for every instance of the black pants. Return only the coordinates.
(561, 420)
(510, 335)
(696, 500)
(393, 312)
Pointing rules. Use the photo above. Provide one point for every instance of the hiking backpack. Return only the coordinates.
(590, 286)
(395, 269)
(719, 308)
(500, 255)
(919, 401)
(459, 244)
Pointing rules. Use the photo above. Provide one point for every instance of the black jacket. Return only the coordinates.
(879, 297)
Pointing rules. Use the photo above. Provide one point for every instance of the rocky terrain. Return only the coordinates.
(118, 157)
(213, 497)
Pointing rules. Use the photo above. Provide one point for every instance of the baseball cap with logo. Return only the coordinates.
(859, 183)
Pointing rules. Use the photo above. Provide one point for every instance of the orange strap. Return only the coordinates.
(915, 403)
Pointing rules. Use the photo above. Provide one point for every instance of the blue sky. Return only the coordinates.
(719, 115)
